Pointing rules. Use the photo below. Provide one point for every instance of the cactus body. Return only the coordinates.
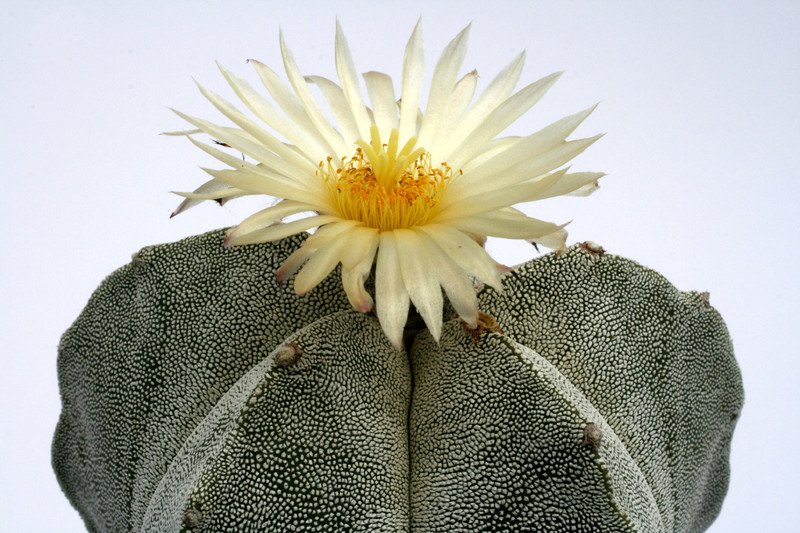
(201, 395)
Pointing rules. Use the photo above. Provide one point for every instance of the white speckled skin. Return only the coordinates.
(176, 417)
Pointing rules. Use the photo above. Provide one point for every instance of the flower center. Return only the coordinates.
(385, 188)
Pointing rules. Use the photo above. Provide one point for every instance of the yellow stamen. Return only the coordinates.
(383, 188)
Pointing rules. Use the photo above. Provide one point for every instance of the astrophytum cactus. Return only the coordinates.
(200, 395)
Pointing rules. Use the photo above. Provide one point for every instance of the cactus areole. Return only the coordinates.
(200, 394)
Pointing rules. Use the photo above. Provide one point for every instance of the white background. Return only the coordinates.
(699, 101)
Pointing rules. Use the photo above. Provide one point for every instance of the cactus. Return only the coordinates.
(201, 395)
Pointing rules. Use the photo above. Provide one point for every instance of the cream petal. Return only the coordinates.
(454, 280)
(361, 241)
(308, 101)
(309, 141)
(213, 189)
(330, 232)
(554, 241)
(413, 67)
(526, 170)
(280, 231)
(293, 262)
(342, 113)
(267, 217)
(504, 226)
(318, 266)
(248, 146)
(391, 298)
(527, 148)
(497, 91)
(497, 198)
(419, 278)
(285, 97)
(283, 154)
(459, 101)
(572, 183)
(442, 83)
(384, 103)
(349, 80)
(466, 253)
(260, 184)
(502, 116)
(353, 278)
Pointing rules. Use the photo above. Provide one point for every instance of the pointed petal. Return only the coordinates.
(293, 262)
(497, 198)
(413, 67)
(349, 80)
(339, 107)
(310, 104)
(505, 226)
(318, 266)
(353, 278)
(466, 253)
(279, 231)
(554, 241)
(444, 77)
(391, 298)
(384, 103)
(309, 141)
(420, 279)
(505, 114)
(361, 240)
(267, 217)
(571, 184)
(454, 280)
(497, 91)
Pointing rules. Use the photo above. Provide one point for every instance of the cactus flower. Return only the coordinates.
(413, 193)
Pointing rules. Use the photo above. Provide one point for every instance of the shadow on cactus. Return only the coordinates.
(402, 381)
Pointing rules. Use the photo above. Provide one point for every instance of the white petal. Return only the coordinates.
(319, 266)
(285, 156)
(349, 80)
(284, 97)
(391, 298)
(308, 141)
(554, 241)
(460, 98)
(361, 240)
(505, 226)
(384, 103)
(497, 91)
(339, 107)
(444, 77)
(310, 104)
(505, 114)
(495, 198)
(279, 231)
(466, 253)
(413, 67)
(572, 183)
(454, 280)
(419, 277)
(260, 184)
(293, 262)
(267, 217)
(527, 148)
(353, 278)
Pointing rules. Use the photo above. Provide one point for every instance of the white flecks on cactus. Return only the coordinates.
(178, 415)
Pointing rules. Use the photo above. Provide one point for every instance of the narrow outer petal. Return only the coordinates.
(392, 300)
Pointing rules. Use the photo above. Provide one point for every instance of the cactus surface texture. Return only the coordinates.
(200, 395)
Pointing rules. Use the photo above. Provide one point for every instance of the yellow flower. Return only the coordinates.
(418, 191)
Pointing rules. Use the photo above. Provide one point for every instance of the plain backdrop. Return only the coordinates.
(699, 101)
